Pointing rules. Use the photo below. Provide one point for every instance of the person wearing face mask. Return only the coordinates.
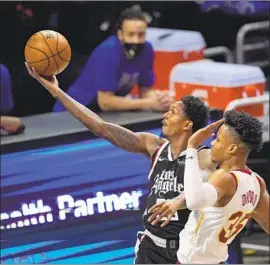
(119, 63)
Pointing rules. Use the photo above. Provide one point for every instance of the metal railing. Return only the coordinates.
(242, 47)
(219, 50)
(264, 99)
(241, 102)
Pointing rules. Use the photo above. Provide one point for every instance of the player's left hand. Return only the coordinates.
(203, 134)
(161, 210)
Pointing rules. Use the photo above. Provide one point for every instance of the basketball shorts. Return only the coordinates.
(149, 252)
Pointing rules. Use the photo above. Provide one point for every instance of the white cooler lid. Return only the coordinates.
(207, 72)
(175, 40)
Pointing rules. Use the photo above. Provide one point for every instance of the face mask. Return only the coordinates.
(132, 50)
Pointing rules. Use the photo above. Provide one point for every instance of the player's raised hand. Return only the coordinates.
(50, 83)
(162, 212)
(203, 134)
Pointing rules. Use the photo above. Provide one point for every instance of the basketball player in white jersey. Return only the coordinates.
(233, 194)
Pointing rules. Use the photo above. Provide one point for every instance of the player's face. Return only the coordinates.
(175, 120)
(224, 146)
(133, 32)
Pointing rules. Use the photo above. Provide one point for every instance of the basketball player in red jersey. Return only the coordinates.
(157, 244)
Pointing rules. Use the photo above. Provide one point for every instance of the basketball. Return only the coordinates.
(48, 52)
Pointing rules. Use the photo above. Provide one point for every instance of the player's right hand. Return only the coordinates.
(50, 83)
(203, 134)
(162, 212)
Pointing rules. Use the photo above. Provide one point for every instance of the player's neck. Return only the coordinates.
(178, 145)
(234, 163)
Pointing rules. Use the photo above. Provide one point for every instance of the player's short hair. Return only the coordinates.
(197, 111)
(130, 14)
(248, 129)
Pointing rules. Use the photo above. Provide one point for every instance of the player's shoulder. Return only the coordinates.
(223, 176)
(153, 138)
(261, 182)
(152, 142)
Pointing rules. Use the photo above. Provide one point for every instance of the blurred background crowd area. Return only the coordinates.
(87, 24)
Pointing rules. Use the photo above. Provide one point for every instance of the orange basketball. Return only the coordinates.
(48, 52)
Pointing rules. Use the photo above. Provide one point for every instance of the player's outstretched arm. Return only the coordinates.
(261, 214)
(144, 143)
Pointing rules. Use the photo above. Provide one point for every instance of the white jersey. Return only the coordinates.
(209, 231)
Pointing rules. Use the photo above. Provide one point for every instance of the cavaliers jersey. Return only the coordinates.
(166, 182)
(209, 231)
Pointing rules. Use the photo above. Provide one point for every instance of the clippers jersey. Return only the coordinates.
(209, 231)
(167, 182)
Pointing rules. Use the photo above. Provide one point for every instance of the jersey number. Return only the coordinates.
(174, 218)
(234, 225)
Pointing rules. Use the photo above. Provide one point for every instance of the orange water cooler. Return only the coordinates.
(170, 48)
(218, 83)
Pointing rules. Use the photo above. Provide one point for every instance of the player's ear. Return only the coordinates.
(233, 149)
(188, 126)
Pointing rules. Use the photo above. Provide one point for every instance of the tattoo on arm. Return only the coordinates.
(116, 134)
(123, 137)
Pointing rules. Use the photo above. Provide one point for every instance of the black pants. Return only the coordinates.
(147, 252)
